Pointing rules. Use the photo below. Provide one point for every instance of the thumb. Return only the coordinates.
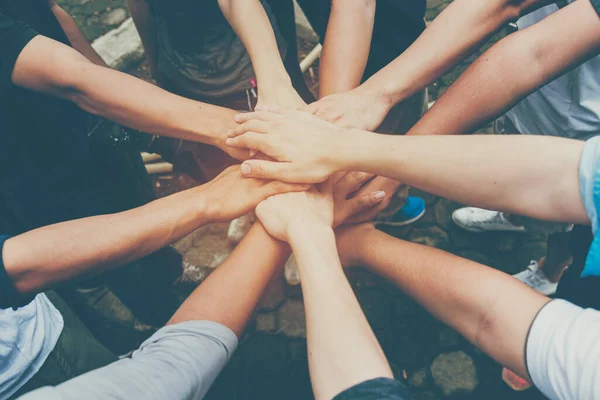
(267, 170)
(363, 202)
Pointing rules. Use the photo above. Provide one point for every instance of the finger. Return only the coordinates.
(253, 125)
(278, 187)
(273, 170)
(351, 182)
(358, 206)
(259, 115)
(249, 140)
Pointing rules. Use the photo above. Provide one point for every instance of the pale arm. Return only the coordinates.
(342, 349)
(487, 171)
(456, 32)
(479, 170)
(75, 36)
(251, 23)
(515, 67)
(44, 257)
(144, 22)
(448, 39)
(468, 296)
(346, 45)
(51, 67)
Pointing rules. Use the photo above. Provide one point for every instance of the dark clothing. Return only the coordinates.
(9, 297)
(584, 292)
(596, 4)
(398, 23)
(75, 353)
(51, 172)
(376, 389)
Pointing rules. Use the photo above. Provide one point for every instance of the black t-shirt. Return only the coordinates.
(48, 171)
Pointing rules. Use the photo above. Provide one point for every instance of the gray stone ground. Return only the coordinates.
(431, 358)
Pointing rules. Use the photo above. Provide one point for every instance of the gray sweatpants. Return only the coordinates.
(178, 362)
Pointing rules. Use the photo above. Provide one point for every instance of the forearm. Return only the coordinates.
(67, 250)
(342, 349)
(75, 36)
(230, 294)
(50, 67)
(474, 170)
(346, 46)
(250, 21)
(144, 22)
(489, 308)
(513, 68)
(457, 31)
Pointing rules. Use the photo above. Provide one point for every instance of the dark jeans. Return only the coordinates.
(376, 389)
(76, 352)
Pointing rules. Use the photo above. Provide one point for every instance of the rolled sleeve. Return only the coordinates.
(563, 349)
(178, 362)
(14, 36)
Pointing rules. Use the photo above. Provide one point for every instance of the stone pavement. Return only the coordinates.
(431, 358)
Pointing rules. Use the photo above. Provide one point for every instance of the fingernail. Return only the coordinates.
(379, 195)
(246, 169)
(230, 133)
(239, 117)
(228, 141)
(253, 153)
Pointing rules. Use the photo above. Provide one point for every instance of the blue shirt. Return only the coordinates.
(27, 336)
(589, 180)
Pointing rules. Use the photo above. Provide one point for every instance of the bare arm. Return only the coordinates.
(459, 29)
(230, 294)
(75, 36)
(515, 67)
(250, 21)
(468, 296)
(346, 46)
(47, 256)
(334, 319)
(144, 22)
(479, 170)
(50, 67)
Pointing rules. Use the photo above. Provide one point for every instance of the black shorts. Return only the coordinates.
(376, 389)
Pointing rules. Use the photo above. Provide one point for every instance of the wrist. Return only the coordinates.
(377, 95)
(306, 230)
(358, 148)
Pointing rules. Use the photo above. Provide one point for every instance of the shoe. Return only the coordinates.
(412, 211)
(535, 278)
(475, 219)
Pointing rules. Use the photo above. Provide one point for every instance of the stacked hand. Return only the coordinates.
(304, 147)
(231, 195)
(353, 109)
(278, 97)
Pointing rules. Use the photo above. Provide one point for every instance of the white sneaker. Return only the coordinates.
(292, 275)
(536, 279)
(475, 219)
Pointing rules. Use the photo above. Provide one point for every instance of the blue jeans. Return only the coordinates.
(376, 389)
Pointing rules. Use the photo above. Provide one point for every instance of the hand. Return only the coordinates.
(353, 109)
(308, 148)
(312, 208)
(230, 195)
(378, 184)
(352, 242)
(356, 194)
(278, 97)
